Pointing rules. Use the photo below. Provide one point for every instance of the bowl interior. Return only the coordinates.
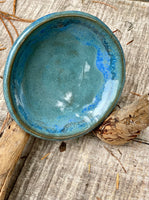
(66, 77)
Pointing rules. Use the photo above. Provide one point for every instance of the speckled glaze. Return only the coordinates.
(64, 75)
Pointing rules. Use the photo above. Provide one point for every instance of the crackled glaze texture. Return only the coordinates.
(64, 75)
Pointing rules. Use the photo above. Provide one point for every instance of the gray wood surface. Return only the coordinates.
(66, 175)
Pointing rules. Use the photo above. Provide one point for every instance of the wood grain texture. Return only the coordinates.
(64, 176)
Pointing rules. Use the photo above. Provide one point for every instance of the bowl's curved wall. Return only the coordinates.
(63, 75)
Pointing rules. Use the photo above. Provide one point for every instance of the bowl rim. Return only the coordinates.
(13, 52)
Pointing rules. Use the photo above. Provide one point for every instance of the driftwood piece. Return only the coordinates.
(125, 124)
(12, 143)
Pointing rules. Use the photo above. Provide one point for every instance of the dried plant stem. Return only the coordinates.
(139, 95)
(117, 181)
(89, 168)
(130, 42)
(8, 14)
(98, 198)
(112, 154)
(14, 6)
(14, 17)
(11, 38)
(100, 2)
(1, 49)
(19, 20)
(116, 31)
(13, 27)
(45, 156)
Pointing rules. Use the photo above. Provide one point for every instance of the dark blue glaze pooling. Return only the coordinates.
(63, 75)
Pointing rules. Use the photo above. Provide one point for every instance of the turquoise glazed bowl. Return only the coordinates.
(64, 75)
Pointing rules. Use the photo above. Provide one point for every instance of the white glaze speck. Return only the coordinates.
(87, 119)
(77, 115)
(87, 67)
(68, 97)
(60, 105)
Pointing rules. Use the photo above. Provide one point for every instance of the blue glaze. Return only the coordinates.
(64, 75)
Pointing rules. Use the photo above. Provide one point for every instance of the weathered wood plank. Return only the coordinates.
(120, 127)
(63, 176)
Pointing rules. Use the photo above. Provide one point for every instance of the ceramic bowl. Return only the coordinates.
(64, 75)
